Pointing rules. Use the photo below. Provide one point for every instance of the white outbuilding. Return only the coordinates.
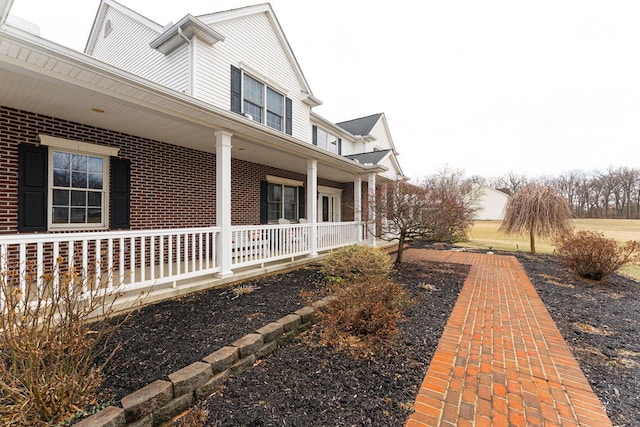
(492, 204)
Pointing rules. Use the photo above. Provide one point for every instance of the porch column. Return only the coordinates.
(223, 202)
(371, 179)
(357, 204)
(384, 207)
(312, 205)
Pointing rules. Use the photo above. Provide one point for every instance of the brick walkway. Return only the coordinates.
(501, 360)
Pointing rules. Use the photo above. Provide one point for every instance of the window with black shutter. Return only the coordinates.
(32, 187)
(120, 193)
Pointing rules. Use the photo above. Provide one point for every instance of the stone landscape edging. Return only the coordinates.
(163, 399)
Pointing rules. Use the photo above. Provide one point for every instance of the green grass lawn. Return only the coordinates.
(485, 235)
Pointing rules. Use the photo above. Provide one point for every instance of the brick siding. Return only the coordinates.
(171, 186)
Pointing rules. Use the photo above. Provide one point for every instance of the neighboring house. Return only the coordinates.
(175, 154)
(492, 204)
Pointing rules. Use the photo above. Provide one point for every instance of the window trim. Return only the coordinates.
(86, 149)
(266, 85)
(284, 182)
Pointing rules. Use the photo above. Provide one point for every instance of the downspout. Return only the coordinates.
(192, 60)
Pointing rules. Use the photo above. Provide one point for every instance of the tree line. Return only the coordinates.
(610, 193)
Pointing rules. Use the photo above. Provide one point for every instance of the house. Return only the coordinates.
(491, 203)
(175, 156)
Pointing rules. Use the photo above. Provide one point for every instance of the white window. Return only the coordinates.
(78, 184)
(327, 141)
(282, 202)
(254, 94)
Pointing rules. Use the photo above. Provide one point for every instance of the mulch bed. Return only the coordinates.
(161, 338)
(601, 323)
(308, 384)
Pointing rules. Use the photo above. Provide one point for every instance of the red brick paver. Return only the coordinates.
(501, 360)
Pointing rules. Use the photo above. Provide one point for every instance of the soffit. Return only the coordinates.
(73, 86)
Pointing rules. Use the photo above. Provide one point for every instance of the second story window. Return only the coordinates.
(253, 98)
(326, 140)
(262, 103)
(254, 94)
(275, 109)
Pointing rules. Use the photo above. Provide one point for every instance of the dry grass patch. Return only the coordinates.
(590, 329)
(551, 280)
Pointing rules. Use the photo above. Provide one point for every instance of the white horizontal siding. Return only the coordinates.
(391, 172)
(254, 41)
(127, 47)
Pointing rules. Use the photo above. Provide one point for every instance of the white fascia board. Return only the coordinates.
(167, 100)
(5, 8)
(99, 19)
(191, 26)
(214, 18)
(322, 122)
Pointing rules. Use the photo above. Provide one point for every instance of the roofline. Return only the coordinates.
(317, 117)
(5, 8)
(221, 16)
(227, 119)
(175, 30)
(100, 14)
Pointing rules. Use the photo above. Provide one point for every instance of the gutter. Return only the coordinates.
(226, 120)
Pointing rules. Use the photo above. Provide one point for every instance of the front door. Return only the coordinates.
(325, 208)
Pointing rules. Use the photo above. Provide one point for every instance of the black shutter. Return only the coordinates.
(314, 134)
(120, 193)
(301, 203)
(32, 187)
(288, 116)
(236, 90)
(264, 202)
(340, 146)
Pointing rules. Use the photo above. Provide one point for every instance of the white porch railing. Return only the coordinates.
(125, 260)
(257, 244)
(333, 235)
(129, 260)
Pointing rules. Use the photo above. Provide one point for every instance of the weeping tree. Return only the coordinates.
(538, 211)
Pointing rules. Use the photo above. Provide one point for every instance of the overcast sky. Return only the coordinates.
(489, 87)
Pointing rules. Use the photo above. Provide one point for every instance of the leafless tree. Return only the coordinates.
(440, 208)
(538, 211)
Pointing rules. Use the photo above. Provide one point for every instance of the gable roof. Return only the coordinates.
(361, 126)
(372, 157)
(213, 18)
(100, 17)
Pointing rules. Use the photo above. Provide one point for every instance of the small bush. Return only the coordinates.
(364, 312)
(48, 348)
(357, 263)
(593, 256)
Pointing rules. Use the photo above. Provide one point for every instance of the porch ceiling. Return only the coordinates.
(77, 88)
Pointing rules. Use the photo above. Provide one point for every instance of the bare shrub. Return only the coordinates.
(593, 256)
(364, 313)
(48, 352)
(439, 208)
(357, 263)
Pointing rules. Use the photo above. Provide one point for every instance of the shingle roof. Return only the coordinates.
(372, 157)
(361, 126)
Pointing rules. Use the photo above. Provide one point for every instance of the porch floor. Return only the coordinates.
(501, 360)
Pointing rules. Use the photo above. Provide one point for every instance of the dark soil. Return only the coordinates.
(161, 338)
(308, 384)
(601, 323)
